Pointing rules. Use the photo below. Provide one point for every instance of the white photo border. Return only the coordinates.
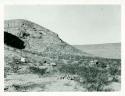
(60, 2)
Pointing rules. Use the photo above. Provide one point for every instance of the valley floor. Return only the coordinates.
(34, 83)
(30, 82)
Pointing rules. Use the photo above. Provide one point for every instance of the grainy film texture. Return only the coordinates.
(62, 48)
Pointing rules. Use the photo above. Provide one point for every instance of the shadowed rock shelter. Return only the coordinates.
(13, 41)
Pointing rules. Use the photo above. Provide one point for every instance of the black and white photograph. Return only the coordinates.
(62, 48)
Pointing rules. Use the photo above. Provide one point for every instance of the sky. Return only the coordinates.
(75, 24)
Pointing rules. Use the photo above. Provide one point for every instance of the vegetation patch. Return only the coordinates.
(95, 76)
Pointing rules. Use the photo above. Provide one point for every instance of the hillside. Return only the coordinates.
(107, 50)
(38, 39)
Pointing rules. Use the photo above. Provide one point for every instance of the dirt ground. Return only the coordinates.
(30, 82)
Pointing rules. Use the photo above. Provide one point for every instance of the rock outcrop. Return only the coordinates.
(39, 39)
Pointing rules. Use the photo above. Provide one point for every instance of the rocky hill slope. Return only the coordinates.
(38, 39)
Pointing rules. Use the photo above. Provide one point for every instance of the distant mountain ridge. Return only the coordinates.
(38, 38)
(107, 50)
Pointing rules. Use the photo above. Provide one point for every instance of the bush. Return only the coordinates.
(6, 71)
(37, 70)
(94, 78)
(15, 65)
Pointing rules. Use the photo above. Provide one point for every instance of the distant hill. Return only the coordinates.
(107, 50)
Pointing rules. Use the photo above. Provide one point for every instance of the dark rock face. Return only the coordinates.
(13, 41)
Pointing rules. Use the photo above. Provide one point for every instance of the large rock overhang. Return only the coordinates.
(13, 41)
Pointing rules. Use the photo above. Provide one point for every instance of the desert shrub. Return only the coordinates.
(41, 63)
(6, 71)
(101, 64)
(94, 78)
(37, 70)
(69, 61)
(15, 65)
(61, 61)
(47, 59)
(69, 68)
(114, 71)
